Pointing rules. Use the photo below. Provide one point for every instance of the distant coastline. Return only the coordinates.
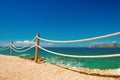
(113, 44)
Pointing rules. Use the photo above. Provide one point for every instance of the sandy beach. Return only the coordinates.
(15, 68)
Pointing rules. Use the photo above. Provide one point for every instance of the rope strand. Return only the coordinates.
(23, 50)
(4, 49)
(82, 40)
(77, 56)
(31, 42)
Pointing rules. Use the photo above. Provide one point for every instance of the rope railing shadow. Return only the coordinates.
(92, 74)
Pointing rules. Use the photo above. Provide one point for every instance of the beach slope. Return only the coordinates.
(15, 68)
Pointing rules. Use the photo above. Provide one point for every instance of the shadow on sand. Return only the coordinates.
(93, 74)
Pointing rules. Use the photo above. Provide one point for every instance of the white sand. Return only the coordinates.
(15, 68)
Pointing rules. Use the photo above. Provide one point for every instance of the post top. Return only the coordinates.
(38, 35)
(11, 42)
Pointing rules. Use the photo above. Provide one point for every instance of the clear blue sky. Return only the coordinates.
(58, 19)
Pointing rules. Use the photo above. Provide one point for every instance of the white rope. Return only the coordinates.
(4, 49)
(82, 40)
(77, 56)
(31, 42)
(23, 50)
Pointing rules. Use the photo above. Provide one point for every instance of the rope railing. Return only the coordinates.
(30, 42)
(82, 40)
(22, 50)
(3, 49)
(25, 48)
(78, 56)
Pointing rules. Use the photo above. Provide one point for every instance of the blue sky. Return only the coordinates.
(58, 19)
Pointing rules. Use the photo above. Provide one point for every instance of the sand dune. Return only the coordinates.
(15, 68)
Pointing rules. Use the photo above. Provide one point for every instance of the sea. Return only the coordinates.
(93, 63)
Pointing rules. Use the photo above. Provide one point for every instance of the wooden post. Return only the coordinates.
(11, 52)
(37, 48)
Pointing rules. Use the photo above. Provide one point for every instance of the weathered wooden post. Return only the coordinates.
(37, 48)
(11, 51)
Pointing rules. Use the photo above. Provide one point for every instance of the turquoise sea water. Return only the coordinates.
(99, 63)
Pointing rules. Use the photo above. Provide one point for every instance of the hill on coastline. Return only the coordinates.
(113, 44)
